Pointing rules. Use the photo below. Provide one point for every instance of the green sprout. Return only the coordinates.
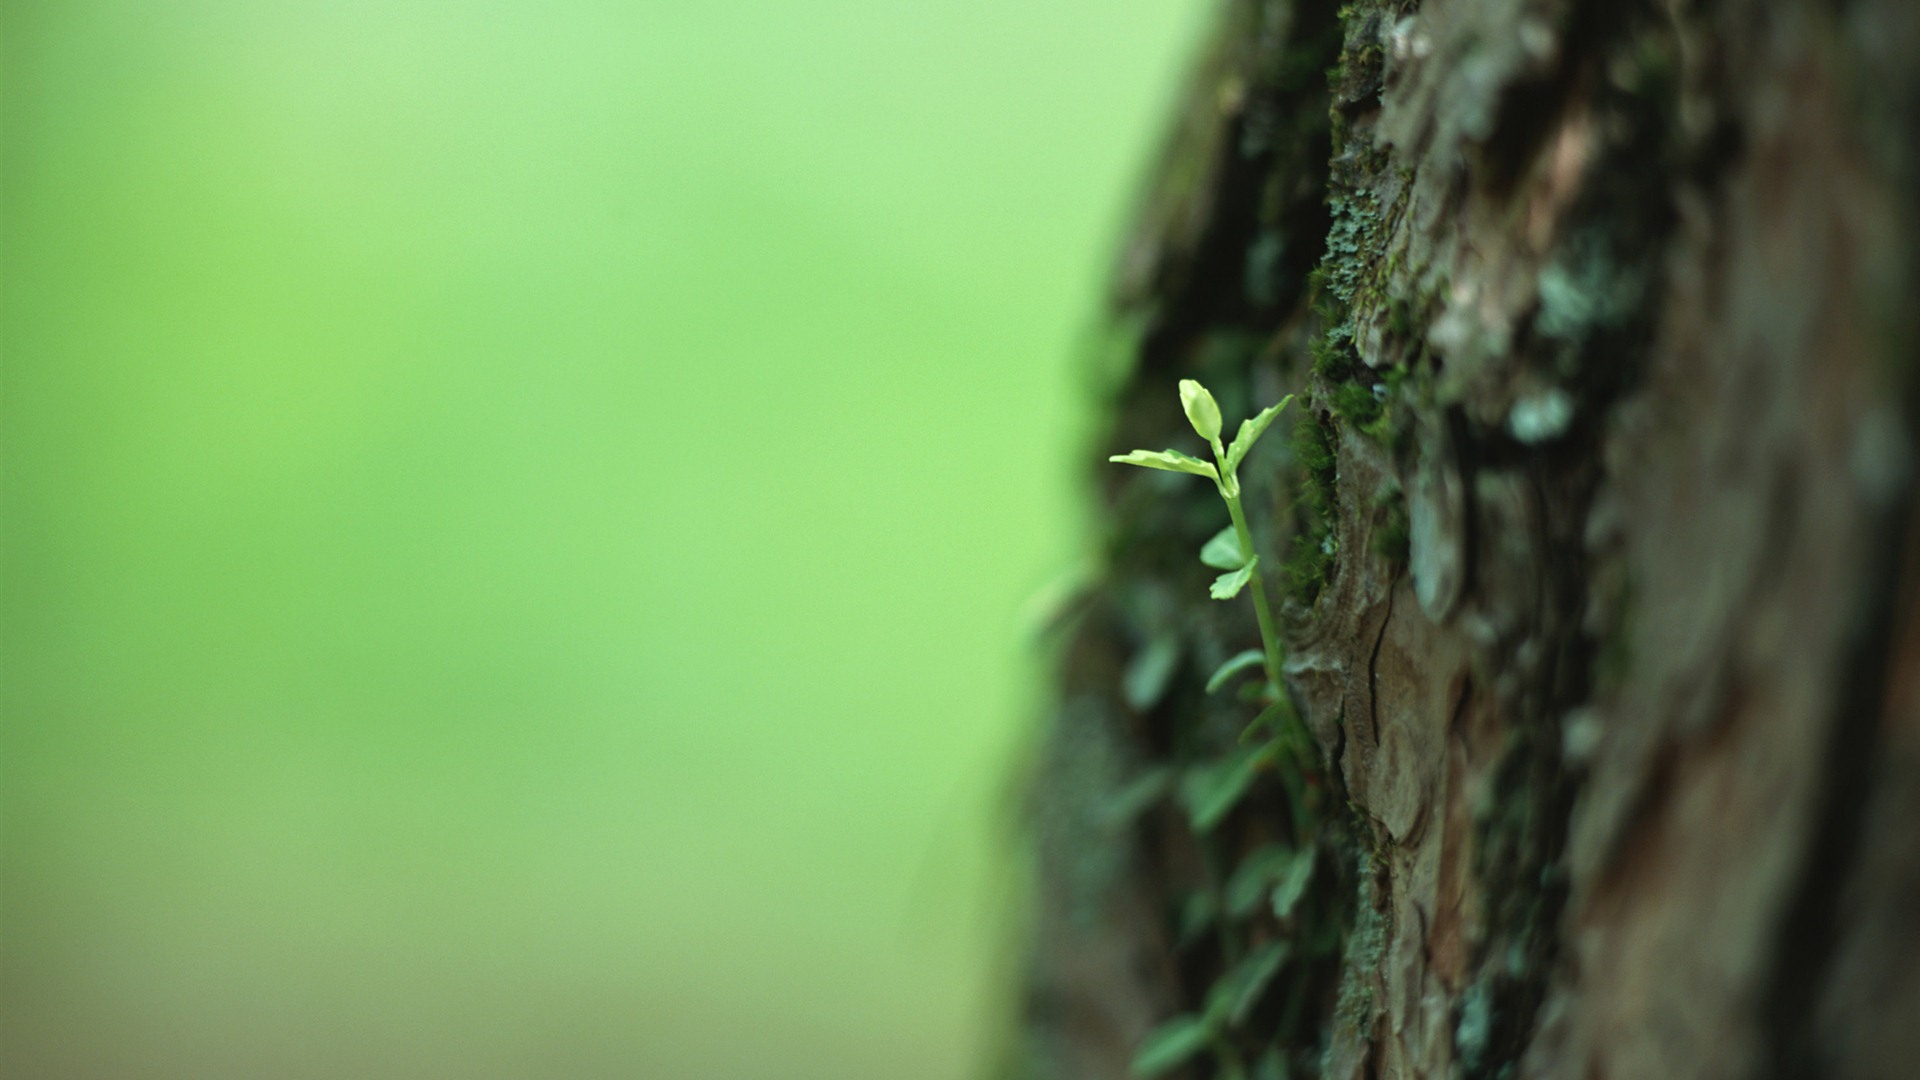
(1231, 550)
(1280, 872)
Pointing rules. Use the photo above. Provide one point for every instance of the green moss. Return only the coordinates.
(1357, 404)
(1354, 266)
(1356, 77)
(1310, 558)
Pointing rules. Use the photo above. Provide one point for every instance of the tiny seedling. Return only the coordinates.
(1231, 550)
(1211, 789)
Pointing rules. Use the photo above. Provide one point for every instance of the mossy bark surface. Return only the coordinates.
(1599, 547)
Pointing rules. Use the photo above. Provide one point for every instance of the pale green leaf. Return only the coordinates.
(1239, 663)
(1202, 411)
(1293, 885)
(1268, 717)
(1250, 432)
(1239, 990)
(1145, 681)
(1171, 1045)
(1168, 461)
(1253, 880)
(1228, 586)
(1210, 791)
(1224, 552)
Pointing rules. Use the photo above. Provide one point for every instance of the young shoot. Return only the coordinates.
(1231, 550)
(1212, 788)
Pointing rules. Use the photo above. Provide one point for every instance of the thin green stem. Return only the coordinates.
(1269, 635)
(1290, 730)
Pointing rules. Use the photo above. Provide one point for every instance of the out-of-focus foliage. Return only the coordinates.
(498, 575)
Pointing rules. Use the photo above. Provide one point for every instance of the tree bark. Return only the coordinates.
(1598, 530)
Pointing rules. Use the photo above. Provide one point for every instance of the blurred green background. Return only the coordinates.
(515, 518)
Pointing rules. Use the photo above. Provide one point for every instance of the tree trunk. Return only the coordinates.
(1598, 541)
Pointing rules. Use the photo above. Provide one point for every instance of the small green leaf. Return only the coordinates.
(1224, 552)
(1171, 1045)
(1267, 717)
(1149, 672)
(1198, 913)
(1287, 894)
(1239, 663)
(1168, 461)
(1250, 432)
(1253, 880)
(1202, 411)
(1228, 586)
(1123, 806)
(1239, 990)
(1213, 789)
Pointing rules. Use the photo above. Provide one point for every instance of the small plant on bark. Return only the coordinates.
(1232, 549)
(1278, 872)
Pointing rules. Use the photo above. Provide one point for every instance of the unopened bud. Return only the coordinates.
(1202, 411)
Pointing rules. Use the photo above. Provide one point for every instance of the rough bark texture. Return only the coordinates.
(1598, 529)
